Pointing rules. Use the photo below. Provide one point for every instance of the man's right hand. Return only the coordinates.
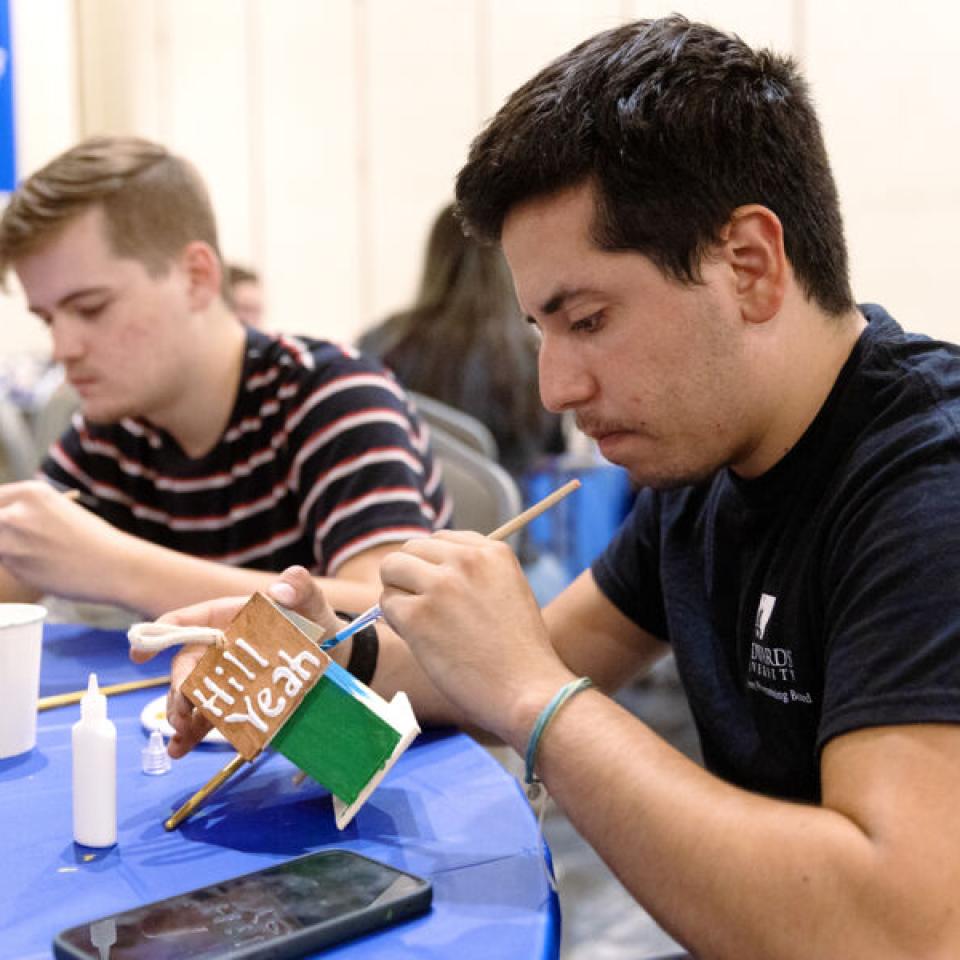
(43, 533)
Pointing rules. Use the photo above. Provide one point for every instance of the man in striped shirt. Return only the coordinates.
(205, 454)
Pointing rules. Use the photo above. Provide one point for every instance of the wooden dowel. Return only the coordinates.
(175, 819)
(531, 513)
(62, 699)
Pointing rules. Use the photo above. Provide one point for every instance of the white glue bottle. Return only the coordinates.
(94, 740)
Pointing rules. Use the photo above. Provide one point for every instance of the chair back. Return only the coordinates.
(484, 495)
(18, 454)
(53, 417)
(461, 426)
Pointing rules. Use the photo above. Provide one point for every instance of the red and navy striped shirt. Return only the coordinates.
(323, 458)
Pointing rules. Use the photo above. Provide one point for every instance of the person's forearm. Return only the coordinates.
(726, 872)
(153, 580)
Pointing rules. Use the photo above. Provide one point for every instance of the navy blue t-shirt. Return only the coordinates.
(823, 596)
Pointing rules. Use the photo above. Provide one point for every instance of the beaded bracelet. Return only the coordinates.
(567, 691)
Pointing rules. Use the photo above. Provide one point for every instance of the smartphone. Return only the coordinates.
(287, 910)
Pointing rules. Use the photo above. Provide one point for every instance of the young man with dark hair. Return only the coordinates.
(206, 454)
(663, 197)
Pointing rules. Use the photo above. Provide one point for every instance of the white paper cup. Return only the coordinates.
(21, 642)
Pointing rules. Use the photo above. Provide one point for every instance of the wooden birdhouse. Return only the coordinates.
(270, 684)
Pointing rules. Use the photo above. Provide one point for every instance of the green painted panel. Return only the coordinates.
(335, 739)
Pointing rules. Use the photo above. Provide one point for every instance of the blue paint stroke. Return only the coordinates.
(354, 626)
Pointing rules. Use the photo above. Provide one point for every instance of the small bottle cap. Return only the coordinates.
(154, 755)
(93, 704)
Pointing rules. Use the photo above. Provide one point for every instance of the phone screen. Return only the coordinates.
(304, 903)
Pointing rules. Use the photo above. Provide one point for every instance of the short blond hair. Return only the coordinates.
(154, 203)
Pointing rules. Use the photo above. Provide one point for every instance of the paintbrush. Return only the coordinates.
(368, 617)
(501, 533)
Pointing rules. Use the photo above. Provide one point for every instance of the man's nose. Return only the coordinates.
(68, 341)
(566, 383)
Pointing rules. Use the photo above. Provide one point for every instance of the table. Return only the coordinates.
(447, 811)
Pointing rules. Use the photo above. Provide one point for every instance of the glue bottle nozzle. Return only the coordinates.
(93, 704)
(154, 755)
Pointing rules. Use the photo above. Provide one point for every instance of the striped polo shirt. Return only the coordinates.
(323, 458)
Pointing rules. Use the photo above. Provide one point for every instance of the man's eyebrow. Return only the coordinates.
(557, 301)
(70, 297)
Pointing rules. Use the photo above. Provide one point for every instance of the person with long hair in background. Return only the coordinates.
(462, 341)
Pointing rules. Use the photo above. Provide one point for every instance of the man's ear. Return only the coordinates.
(753, 247)
(204, 273)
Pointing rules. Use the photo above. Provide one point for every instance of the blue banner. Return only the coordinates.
(8, 142)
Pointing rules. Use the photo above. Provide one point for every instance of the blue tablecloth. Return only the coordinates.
(447, 811)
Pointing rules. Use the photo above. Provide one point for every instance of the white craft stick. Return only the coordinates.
(151, 637)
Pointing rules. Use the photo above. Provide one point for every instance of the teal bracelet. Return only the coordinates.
(547, 714)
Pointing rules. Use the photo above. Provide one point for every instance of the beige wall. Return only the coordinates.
(885, 79)
(43, 39)
(330, 130)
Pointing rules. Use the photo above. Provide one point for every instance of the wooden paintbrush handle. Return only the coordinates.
(501, 533)
(531, 513)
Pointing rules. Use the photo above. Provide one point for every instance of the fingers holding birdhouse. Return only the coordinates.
(189, 725)
(298, 591)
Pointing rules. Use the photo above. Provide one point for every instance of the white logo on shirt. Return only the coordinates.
(772, 668)
(764, 610)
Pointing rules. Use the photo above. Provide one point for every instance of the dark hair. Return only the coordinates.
(233, 275)
(464, 341)
(237, 273)
(676, 124)
(154, 203)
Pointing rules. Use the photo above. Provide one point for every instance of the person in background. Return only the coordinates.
(663, 196)
(461, 342)
(245, 295)
(205, 454)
